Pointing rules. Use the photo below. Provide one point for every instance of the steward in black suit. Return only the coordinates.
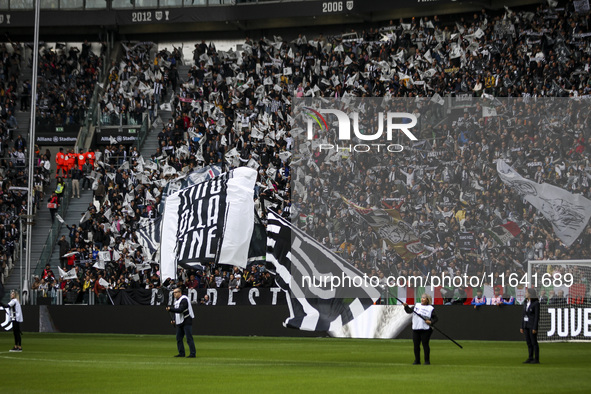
(529, 326)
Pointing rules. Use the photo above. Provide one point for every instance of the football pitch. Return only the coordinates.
(145, 364)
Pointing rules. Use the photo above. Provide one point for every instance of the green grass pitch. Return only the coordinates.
(144, 364)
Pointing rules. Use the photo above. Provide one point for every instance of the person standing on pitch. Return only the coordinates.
(183, 319)
(16, 315)
(422, 319)
(529, 326)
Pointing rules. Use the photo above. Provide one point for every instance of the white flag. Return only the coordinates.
(100, 264)
(488, 112)
(107, 214)
(252, 163)
(437, 99)
(568, 213)
(85, 217)
(58, 217)
(284, 155)
(142, 266)
(71, 274)
(104, 283)
(104, 255)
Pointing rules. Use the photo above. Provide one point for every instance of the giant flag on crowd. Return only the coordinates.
(392, 229)
(211, 221)
(312, 305)
(568, 213)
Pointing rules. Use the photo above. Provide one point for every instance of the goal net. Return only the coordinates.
(564, 290)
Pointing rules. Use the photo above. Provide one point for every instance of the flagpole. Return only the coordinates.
(107, 289)
(32, 147)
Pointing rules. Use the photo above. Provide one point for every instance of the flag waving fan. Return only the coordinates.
(67, 275)
(297, 257)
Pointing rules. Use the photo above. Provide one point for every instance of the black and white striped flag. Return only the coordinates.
(309, 272)
(148, 235)
(209, 222)
(7, 323)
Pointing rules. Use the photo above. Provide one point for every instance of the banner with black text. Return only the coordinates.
(209, 222)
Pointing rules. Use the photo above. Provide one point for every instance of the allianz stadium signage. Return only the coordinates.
(112, 136)
(56, 136)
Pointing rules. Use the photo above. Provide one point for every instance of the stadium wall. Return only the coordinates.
(460, 322)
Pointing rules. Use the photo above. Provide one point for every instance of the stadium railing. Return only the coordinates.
(54, 231)
(82, 143)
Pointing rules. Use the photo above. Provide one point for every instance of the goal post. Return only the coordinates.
(564, 291)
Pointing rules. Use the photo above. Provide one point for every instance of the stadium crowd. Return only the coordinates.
(12, 156)
(137, 85)
(65, 85)
(235, 108)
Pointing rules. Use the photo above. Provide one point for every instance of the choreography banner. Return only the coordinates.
(209, 222)
(568, 213)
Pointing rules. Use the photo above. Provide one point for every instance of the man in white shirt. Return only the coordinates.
(183, 319)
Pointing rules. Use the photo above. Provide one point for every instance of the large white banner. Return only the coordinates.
(568, 213)
(209, 222)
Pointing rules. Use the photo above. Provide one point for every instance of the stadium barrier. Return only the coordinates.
(460, 322)
(155, 297)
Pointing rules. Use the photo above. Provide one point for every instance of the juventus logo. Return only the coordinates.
(159, 14)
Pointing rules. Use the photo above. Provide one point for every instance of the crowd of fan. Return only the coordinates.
(136, 86)
(9, 95)
(67, 76)
(234, 109)
(12, 171)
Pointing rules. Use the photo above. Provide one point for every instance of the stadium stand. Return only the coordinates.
(233, 108)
